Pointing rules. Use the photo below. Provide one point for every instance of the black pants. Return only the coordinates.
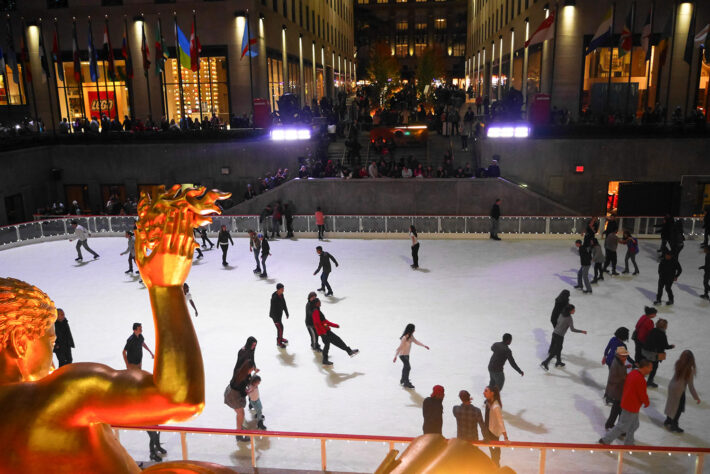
(130, 263)
(64, 357)
(464, 141)
(289, 227)
(652, 375)
(206, 240)
(610, 259)
(598, 272)
(706, 280)
(324, 285)
(314, 337)
(555, 349)
(225, 247)
(321, 231)
(199, 252)
(637, 351)
(705, 238)
(154, 441)
(415, 254)
(279, 331)
(613, 414)
(667, 285)
(263, 263)
(406, 368)
(681, 409)
(331, 338)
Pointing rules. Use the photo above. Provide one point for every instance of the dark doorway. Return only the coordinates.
(649, 199)
(80, 194)
(14, 208)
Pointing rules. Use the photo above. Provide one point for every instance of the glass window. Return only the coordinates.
(439, 24)
(320, 91)
(211, 95)
(703, 96)
(12, 93)
(534, 68)
(57, 3)
(108, 96)
(402, 25)
(383, 1)
(293, 78)
(276, 82)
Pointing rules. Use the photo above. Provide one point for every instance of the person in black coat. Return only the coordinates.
(666, 231)
(706, 273)
(432, 409)
(495, 218)
(205, 240)
(309, 322)
(223, 240)
(324, 263)
(64, 342)
(585, 260)
(668, 271)
(706, 227)
(278, 307)
(265, 248)
(656, 344)
(288, 215)
(561, 303)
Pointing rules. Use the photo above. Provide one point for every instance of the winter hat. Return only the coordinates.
(621, 351)
(437, 391)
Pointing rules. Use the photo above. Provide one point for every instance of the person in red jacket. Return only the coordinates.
(643, 328)
(323, 326)
(633, 397)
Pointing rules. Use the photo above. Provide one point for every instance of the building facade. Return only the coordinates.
(409, 27)
(303, 47)
(610, 78)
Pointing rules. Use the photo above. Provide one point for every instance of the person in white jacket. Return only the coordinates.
(82, 235)
(405, 346)
(493, 419)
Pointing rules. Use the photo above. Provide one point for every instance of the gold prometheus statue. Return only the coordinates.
(59, 422)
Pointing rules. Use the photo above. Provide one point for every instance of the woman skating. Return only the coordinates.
(619, 339)
(683, 377)
(561, 303)
(405, 345)
(235, 395)
(493, 409)
(558, 336)
(655, 347)
(223, 240)
(415, 246)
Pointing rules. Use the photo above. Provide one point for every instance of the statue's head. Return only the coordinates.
(27, 336)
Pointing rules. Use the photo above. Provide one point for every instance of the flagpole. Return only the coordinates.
(177, 55)
(145, 71)
(110, 52)
(691, 27)
(98, 84)
(611, 56)
(650, 55)
(49, 78)
(251, 80)
(26, 55)
(163, 85)
(7, 84)
(197, 52)
(554, 50)
(81, 77)
(696, 80)
(631, 59)
(670, 63)
(60, 63)
(129, 80)
(105, 74)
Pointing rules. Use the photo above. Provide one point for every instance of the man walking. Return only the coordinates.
(255, 247)
(668, 271)
(324, 263)
(585, 260)
(64, 342)
(633, 397)
(501, 354)
(133, 351)
(278, 307)
(495, 217)
(468, 418)
(82, 235)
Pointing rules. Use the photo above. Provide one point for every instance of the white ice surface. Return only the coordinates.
(464, 297)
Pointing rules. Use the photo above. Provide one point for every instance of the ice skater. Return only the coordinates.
(265, 253)
(683, 376)
(324, 263)
(632, 248)
(188, 297)
(405, 346)
(615, 385)
(133, 350)
(415, 246)
(276, 310)
(255, 401)
(320, 222)
(323, 326)
(494, 420)
(495, 220)
(561, 303)
(255, 248)
(558, 336)
(668, 271)
(205, 240)
(235, 394)
(598, 259)
(309, 322)
(131, 251)
(585, 259)
(156, 451)
(82, 235)
(633, 396)
(501, 354)
(223, 240)
(611, 243)
(706, 273)
(64, 342)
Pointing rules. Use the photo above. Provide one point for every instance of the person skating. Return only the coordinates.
(654, 349)
(255, 401)
(82, 236)
(669, 270)
(432, 411)
(615, 385)
(64, 342)
(495, 218)
(309, 322)
(642, 329)
(265, 253)
(131, 251)
(683, 376)
(205, 240)
(561, 303)
(611, 243)
(468, 419)
(564, 323)
(324, 263)
(133, 350)
(501, 354)
(621, 335)
(632, 248)
(188, 297)
(415, 246)
(255, 248)
(706, 227)
(666, 231)
(320, 222)
(276, 310)
(706, 273)
(585, 259)
(223, 240)
(323, 326)
(276, 222)
(633, 396)
(493, 419)
(288, 217)
(235, 394)
(156, 450)
(598, 259)
(405, 346)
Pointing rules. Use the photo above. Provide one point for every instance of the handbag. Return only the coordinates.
(231, 397)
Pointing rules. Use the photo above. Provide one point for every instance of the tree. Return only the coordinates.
(429, 67)
(383, 71)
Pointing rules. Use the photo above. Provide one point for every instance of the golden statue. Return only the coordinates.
(59, 422)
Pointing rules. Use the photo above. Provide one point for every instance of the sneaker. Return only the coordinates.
(560, 364)
(545, 366)
(354, 352)
(327, 362)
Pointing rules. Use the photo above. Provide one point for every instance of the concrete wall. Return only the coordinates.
(548, 166)
(404, 197)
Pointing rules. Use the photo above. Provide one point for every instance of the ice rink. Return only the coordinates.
(463, 298)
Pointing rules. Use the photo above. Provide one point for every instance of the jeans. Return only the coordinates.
(276, 227)
(415, 254)
(256, 404)
(494, 227)
(224, 247)
(324, 285)
(279, 332)
(583, 276)
(495, 452)
(667, 285)
(82, 243)
(263, 263)
(314, 337)
(331, 338)
(406, 368)
(598, 272)
(555, 349)
(632, 257)
(628, 423)
(497, 379)
(610, 259)
(256, 259)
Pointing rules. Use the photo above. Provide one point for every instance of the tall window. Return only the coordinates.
(211, 94)
(12, 93)
(276, 82)
(401, 39)
(624, 96)
(108, 96)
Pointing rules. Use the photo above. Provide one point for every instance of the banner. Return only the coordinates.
(107, 106)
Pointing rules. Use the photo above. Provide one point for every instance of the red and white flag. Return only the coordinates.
(195, 50)
(546, 31)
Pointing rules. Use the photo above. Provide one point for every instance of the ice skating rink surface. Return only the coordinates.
(465, 295)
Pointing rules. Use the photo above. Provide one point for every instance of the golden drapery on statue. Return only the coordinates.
(59, 422)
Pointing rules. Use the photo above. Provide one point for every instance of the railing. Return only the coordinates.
(60, 228)
(542, 448)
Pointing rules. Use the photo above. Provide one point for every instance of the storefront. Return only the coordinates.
(276, 83)
(12, 93)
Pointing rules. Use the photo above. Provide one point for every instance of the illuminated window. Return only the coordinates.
(402, 25)
(440, 23)
(419, 48)
(383, 1)
(211, 95)
(14, 93)
(276, 82)
(108, 96)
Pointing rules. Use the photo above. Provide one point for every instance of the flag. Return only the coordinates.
(195, 49)
(545, 31)
(603, 34)
(75, 55)
(646, 36)
(626, 41)
(247, 42)
(702, 36)
(55, 57)
(93, 58)
(690, 40)
(146, 54)
(161, 54)
(184, 48)
(665, 40)
(126, 53)
(43, 57)
(12, 55)
(25, 59)
(108, 54)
